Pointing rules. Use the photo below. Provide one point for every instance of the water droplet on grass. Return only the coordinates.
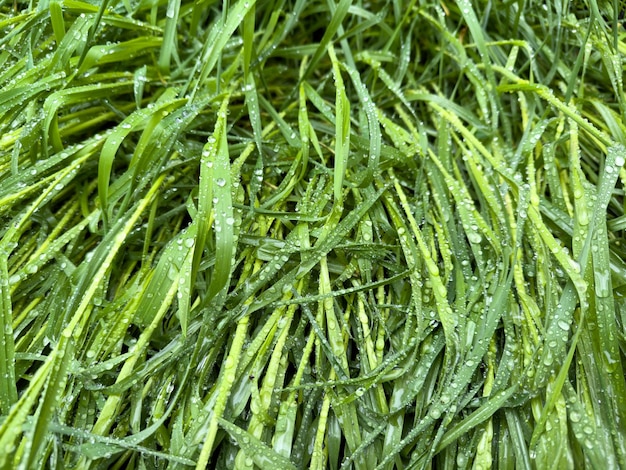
(474, 237)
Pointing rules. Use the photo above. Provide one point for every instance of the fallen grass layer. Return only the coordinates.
(291, 234)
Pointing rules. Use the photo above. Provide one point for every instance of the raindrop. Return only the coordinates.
(548, 360)
(435, 414)
(474, 237)
(563, 325)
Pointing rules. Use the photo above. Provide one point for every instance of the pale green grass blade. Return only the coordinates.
(169, 35)
(373, 127)
(217, 38)
(219, 177)
(256, 449)
(58, 24)
(342, 129)
(8, 390)
(339, 14)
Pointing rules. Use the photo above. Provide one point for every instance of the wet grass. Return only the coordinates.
(312, 234)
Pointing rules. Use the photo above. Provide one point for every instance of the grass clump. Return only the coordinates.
(312, 234)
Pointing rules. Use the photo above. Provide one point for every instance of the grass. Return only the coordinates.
(312, 234)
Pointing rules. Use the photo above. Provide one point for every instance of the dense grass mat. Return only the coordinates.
(312, 234)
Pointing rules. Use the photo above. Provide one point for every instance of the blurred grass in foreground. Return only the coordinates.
(312, 234)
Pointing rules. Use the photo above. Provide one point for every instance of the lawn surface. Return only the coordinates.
(289, 234)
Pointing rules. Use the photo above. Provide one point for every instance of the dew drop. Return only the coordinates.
(474, 237)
